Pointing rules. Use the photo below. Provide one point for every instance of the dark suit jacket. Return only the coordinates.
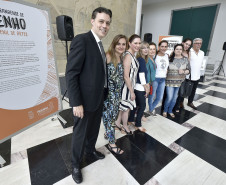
(85, 72)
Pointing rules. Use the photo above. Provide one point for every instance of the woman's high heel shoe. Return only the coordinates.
(118, 150)
(117, 128)
(126, 132)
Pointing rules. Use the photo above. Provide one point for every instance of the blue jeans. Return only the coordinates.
(158, 89)
(171, 98)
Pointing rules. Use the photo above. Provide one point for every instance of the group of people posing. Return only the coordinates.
(136, 71)
(116, 84)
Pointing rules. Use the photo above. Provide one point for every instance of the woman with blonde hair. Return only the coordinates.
(142, 88)
(151, 70)
(115, 82)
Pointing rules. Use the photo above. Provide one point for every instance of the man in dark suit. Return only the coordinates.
(86, 78)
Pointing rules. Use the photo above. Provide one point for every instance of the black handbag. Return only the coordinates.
(186, 88)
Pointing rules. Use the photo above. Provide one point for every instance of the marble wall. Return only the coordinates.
(124, 20)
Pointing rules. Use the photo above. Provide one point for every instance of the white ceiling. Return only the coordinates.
(147, 2)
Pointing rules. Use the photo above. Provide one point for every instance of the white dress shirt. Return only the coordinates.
(196, 64)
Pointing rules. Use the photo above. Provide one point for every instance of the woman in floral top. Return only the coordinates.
(115, 82)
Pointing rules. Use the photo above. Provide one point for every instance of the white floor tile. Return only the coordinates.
(40, 133)
(15, 174)
(214, 100)
(164, 130)
(190, 170)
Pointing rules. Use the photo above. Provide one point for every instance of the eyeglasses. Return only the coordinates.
(198, 43)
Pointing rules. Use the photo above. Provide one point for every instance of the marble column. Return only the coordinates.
(138, 17)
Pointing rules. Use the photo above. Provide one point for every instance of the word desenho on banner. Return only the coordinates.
(12, 22)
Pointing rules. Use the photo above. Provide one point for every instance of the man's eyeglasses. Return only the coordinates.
(198, 43)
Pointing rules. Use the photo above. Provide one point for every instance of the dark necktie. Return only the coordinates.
(104, 62)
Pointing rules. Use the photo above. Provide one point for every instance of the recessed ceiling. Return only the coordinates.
(147, 2)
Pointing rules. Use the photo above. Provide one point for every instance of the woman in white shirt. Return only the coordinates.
(162, 62)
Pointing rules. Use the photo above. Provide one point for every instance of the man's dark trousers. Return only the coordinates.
(85, 133)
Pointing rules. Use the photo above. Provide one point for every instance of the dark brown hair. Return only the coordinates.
(185, 40)
(160, 43)
(172, 56)
(163, 41)
(132, 37)
(101, 10)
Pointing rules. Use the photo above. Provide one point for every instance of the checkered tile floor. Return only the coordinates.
(189, 149)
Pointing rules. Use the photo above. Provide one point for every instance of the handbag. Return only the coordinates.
(186, 88)
(151, 90)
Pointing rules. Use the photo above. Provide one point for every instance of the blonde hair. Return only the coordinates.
(111, 49)
(139, 54)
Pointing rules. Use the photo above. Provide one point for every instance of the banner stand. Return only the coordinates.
(29, 82)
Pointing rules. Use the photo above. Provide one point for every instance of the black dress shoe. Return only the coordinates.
(98, 155)
(77, 175)
(192, 106)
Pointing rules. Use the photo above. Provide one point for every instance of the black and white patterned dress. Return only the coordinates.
(111, 104)
(126, 103)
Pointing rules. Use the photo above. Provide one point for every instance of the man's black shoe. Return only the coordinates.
(77, 175)
(95, 155)
(192, 106)
(98, 155)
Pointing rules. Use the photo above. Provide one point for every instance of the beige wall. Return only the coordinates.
(123, 22)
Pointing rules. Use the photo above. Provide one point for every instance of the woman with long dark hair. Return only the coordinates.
(131, 66)
(115, 82)
(162, 62)
(187, 44)
(177, 70)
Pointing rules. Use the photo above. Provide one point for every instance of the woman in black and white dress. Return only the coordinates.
(131, 66)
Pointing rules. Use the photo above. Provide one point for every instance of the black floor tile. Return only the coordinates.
(157, 151)
(51, 161)
(206, 146)
(67, 115)
(217, 85)
(201, 86)
(64, 145)
(213, 110)
(46, 164)
(219, 78)
(216, 94)
(5, 151)
(181, 117)
(143, 156)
